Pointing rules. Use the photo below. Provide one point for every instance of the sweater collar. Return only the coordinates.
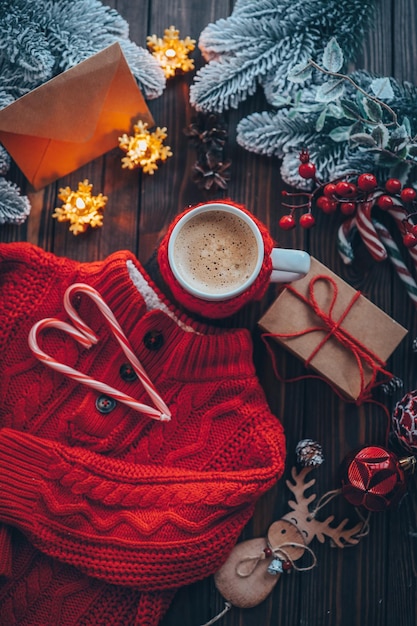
(193, 350)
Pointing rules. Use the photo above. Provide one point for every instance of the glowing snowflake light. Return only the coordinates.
(80, 208)
(172, 52)
(144, 149)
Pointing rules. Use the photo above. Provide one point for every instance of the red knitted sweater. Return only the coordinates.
(105, 515)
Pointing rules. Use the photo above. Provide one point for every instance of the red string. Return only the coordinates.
(363, 355)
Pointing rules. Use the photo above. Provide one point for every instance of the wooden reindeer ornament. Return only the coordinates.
(254, 567)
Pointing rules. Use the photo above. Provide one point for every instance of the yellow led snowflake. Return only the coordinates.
(172, 52)
(80, 208)
(144, 149)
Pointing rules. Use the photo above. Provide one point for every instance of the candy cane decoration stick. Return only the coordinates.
(368, 233)
(117, 332)
(394, 256)
(398, 213)
(344, 244)
(84, 335)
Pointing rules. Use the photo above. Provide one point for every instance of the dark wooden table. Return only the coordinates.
(374, 583)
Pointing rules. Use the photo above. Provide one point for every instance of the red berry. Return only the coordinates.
(329, 190)
(408, 194)
(347, 208)
(307, 170)
(385, 202)
(393, 185)
(367, 182)
(307, 220)
(287, 222)
(414, 229)
(346, 190)
(326, 205)
(409, 240)
(304, 156)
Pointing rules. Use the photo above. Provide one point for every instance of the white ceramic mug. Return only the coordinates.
(216, 252)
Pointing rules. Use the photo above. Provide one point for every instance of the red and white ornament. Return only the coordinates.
(404, 421)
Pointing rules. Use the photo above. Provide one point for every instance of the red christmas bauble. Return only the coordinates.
(372, 478)
(404, 421)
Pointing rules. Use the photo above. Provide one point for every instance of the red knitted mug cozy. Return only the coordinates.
(222, 308)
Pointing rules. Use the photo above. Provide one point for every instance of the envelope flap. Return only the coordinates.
(50, 110)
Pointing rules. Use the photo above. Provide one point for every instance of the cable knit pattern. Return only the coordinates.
(217, 310)
(105, 515)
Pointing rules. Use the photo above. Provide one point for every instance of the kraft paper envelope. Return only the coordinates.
(73, 118)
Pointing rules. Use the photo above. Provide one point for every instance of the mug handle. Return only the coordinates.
(289, 265)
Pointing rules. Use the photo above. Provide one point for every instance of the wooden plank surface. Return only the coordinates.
(374, 583)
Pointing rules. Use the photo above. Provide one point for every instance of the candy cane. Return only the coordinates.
(344, 244)
(368, 233)
(85, 336)
(394, 256)
(398, 213)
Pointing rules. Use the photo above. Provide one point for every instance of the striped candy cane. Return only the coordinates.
(398, 213)
(85, 336)
(367, 231)
(345, 233)
(394, 256)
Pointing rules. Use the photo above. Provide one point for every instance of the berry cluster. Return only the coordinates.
(346, 195)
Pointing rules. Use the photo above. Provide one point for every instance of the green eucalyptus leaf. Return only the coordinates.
(387, 159)
(334, 110)
(407, 125)
(332, 90)
(382, 88)
(333, 56)
(381, 135)
(350, 109)
(412, 150)
(340, 133)
(320, 120)
(401, 171)
(363, 139)
(281, 101)
(357, 127)
(298, 97)
(399, 138)
(373, 110)
(403, 153)
(300, 73)
(360, 100)
(306, 107)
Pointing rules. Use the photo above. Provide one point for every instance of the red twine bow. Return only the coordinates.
(363, 355)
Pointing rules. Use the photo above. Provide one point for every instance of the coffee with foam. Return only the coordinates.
(216, 252)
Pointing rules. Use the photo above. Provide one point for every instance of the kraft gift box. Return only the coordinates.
(356, 327)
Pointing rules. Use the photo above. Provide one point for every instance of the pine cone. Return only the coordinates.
(211, 178)
(309, 452)
(208, 134)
